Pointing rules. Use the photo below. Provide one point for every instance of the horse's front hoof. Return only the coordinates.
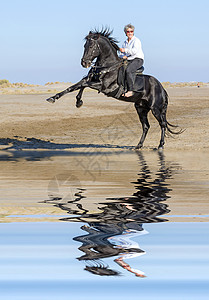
(51, 100)
(79, 103)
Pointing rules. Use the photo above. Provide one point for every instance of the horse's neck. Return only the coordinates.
(108, 55)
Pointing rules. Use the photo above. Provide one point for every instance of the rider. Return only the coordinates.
(132, 51)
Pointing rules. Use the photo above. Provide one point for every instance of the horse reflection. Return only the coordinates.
(111, 229)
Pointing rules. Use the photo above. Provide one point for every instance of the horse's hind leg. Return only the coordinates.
(142, 113)
(161, 118)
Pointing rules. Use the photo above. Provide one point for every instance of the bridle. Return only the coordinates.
(96, 45)
(99, 70)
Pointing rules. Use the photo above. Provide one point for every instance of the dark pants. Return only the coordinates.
(133, 66)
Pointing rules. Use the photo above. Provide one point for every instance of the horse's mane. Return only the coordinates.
(105, 33)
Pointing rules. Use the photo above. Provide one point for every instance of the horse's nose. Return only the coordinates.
(86, 63)
(83, 63)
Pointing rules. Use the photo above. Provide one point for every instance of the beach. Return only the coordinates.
(25, 116)
(40, 141)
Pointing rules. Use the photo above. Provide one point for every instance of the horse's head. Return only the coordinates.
(91, 49)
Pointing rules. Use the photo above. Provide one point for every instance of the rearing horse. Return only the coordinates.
(103, 77)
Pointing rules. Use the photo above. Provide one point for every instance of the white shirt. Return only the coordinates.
(124, 241)
(133, 49)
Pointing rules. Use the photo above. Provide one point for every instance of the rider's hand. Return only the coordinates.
(125, 57)
(122, 50)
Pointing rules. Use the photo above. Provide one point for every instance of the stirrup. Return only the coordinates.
(119, 92)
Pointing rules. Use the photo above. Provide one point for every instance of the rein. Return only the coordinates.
(99, 70)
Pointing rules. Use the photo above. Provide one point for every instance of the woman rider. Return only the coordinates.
(132, 51)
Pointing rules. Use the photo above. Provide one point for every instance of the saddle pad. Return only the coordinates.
(139, 83)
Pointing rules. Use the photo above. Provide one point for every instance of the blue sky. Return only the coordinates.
(42, 40)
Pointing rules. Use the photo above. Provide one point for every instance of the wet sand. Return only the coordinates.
(39, 141)
(27, 184)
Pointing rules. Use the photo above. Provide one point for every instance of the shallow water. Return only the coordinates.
(107, 224)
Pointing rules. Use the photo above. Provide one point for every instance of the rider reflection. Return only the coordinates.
(124, 242)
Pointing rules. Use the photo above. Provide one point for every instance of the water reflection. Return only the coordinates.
(109, 231)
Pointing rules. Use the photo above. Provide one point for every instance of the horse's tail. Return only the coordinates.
(169, 125)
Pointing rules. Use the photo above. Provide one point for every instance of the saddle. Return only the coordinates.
(138, 83)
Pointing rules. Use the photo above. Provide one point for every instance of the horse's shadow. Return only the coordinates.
(15, 148)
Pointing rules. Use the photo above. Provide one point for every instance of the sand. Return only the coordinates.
(103, 120)
(39, 140)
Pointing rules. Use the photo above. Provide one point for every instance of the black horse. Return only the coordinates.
(103, 77)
